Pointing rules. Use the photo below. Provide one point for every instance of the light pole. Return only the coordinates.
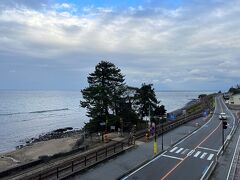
(161, 121)
(155, 139)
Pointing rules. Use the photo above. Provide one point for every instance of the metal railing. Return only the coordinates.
(70, 167)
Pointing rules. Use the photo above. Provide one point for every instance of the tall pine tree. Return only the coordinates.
(146, 100)
(102, 97)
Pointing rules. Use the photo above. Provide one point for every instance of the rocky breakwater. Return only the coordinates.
(55, 134)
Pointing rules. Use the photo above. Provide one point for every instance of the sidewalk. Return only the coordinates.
(226, 161)
(114, 168)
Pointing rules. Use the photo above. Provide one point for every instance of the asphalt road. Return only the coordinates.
(192, 157)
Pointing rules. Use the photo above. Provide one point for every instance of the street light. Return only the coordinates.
(161, 120)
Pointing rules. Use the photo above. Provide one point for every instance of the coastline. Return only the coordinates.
(34, 151)
(54, 142)
(49, 145)
(57, 141)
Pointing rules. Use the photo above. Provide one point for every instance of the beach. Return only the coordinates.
(36, 150)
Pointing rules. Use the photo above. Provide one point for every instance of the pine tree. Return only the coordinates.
(146, 100)
(106, 87)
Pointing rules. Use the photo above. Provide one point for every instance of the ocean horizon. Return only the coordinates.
(26, 114)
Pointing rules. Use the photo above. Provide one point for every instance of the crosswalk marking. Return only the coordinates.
(173, 157)
(208, 149)
(190, 153)
(203, 155)
(174, 149)
(210, 157)
(197, 153)
(184, 152)
(178, 151)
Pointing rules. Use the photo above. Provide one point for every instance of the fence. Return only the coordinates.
(169, 126)
(70, 167)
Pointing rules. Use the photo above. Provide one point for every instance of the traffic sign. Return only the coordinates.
(171, 117)
(205, 113)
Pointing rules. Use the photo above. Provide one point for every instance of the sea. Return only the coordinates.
(28, 114)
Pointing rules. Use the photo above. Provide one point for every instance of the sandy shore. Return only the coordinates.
(49, 148)
(32, 152)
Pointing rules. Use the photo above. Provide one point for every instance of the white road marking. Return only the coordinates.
(210, 157)
(143, 166)
(174, 149)
(178, 151)
(173, 157)
(197, 153)
(190, 153)
(215, 101)
(206, 170)
(203, 155)
(186, 150)
(208, 149)
(234, 155)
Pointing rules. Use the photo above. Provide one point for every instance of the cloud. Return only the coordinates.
(183, 44)
(23, 4)
(167, 81)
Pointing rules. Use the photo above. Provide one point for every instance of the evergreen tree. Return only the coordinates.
(160, 111)
(146, 100)
(106, 87)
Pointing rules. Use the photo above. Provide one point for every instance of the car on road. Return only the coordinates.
(222, 116)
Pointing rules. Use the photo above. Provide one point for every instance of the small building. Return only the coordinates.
(235, 99)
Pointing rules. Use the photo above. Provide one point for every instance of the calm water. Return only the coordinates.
(26, 114)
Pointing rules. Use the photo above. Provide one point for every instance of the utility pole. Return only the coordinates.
(224, 126)
(162, 131)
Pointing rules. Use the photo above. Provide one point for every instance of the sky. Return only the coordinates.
(173, 44)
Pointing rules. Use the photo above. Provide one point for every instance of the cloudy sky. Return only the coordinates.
(174, 44)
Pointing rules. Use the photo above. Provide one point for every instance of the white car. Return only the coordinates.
(222, 116)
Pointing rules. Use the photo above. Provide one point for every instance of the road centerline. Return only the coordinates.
(169, 172)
